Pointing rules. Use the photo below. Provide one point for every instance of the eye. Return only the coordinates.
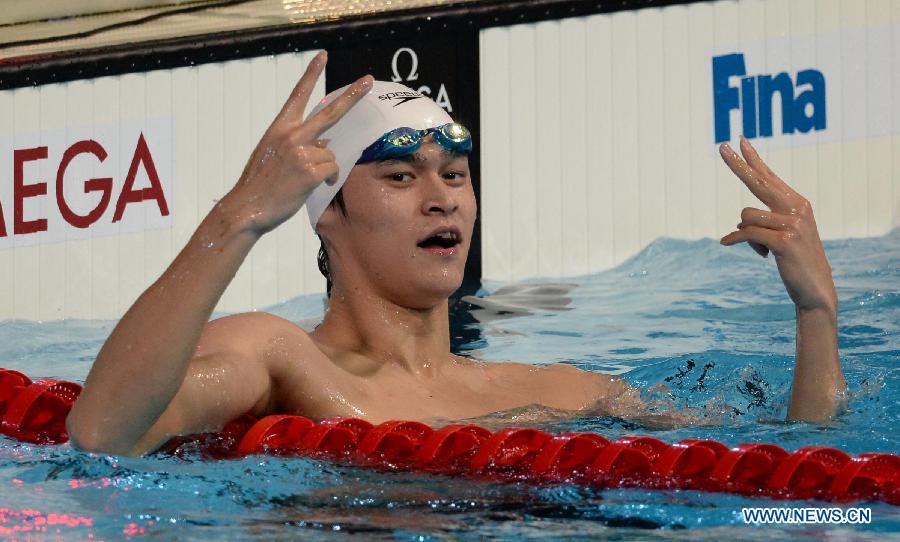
(455, 175)
(399, 176)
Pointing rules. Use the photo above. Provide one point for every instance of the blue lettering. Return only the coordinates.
(755, 97)
(768, 86)
(814, 98)
(725, 97)
(748, 107)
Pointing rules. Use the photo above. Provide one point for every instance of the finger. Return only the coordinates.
(756, 162)
(762, 250)
(770, 239)
(752, 179)
(295, 105)
(327, 117)
(312, 156)
(328, 172)
(747, 220)
(322, 143)
(765, 219)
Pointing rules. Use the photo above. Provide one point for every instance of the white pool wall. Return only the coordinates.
(596, 139)
(206, 119)
(597, 132)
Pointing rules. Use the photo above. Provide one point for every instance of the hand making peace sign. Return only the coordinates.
(290, 160)
(788, 229)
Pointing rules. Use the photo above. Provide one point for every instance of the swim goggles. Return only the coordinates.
(402, 141)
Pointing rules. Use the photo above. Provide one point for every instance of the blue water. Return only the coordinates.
(699, 325)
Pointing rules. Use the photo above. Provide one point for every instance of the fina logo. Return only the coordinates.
(753, 98)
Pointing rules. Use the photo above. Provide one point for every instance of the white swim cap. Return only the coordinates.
(385, 107)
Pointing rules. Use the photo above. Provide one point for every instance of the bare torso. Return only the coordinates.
(383, 349)
(318, 381)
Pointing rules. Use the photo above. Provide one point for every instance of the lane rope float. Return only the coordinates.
(35, 412)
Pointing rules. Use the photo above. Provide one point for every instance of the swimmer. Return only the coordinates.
(395, 212)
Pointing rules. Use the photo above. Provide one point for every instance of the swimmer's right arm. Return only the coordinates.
(146, 382)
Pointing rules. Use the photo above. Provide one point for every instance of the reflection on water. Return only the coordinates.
(520, 300)
(695, 325)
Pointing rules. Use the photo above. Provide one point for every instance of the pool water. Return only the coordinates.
(698, 325)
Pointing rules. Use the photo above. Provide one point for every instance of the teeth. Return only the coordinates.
(446, 239)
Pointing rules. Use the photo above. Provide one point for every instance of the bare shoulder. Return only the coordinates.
(562, 374)
(563, 385)
(556, 372)
(249, 331)
(273, 343)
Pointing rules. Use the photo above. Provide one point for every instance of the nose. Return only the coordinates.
(439, 197)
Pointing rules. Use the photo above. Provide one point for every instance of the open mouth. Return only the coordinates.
(441, 241)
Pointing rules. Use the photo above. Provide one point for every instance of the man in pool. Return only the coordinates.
(396, 237)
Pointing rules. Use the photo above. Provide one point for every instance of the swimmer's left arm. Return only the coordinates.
(568, 389)
(788, 229)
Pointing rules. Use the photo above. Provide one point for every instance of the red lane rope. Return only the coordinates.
(36, 412)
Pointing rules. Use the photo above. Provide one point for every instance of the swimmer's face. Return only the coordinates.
(394, 209)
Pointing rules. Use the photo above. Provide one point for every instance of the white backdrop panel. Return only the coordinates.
(598, 131)
(201, 124)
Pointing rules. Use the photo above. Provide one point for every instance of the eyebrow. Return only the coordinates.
(407, 159)
(447, 156)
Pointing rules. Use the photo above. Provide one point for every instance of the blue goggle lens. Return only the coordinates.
(402, 141)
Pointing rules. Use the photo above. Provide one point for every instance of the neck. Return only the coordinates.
(385, 333)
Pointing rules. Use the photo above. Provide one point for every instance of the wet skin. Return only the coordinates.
(382, 351)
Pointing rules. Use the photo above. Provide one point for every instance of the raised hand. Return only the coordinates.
(290, 160)
(158, 337)
(787, 228)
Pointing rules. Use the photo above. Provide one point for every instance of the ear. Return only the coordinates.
(335, 214)
(331, 217)
(330, 222)
(327, 220)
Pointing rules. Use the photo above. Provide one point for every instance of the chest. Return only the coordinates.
(466, 393)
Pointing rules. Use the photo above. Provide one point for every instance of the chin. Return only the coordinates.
(424, 294)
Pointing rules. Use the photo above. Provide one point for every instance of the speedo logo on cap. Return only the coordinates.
(401, 97)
